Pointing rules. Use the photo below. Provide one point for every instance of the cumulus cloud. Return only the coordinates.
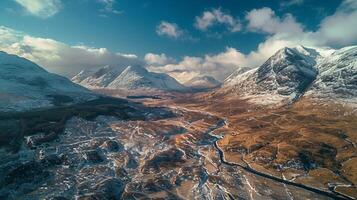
(214, 17)
(217, 65)
(168, 29)
(341, 27)
(41, 8)
(265, 20)
(335, 30)
(59, 57)
(158, 59)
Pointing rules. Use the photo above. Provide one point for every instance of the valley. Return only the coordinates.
(194, 147)
(285, 142)
(282, 130)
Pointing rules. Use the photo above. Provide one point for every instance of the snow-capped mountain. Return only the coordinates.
(289, 72)
(82, 75)
(131, 78)
(25, 85)
(202, 83)
(337, 75)
(293, 72)
(136, 77)
(231, 78)
(99, 78)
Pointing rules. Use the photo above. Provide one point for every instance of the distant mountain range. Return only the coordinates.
(130, 78)
(287, 75)
(24, 85)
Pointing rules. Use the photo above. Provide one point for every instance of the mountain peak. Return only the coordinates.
(130, 77)
(136, 69)
(288, 72)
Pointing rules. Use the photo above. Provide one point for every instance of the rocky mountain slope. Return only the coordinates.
(131, 78)
(98, 78)
(292, 72)
(25, 85)
(337, 75)
(288, 72)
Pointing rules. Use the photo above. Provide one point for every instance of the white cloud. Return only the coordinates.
(218, 65)
(341, 27)
(213, 17)
(158, 59)
(41, 8)
(335, 30)
(169, 29)
(266, 21)
(59, 57)
(108, 7)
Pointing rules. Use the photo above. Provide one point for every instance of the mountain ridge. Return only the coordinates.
(292, 72)
(130, 78)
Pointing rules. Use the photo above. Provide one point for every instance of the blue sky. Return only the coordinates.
(175, 30)
(133, 29)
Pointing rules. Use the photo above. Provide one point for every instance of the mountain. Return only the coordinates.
(25, 85)
(235, 74)
(82, 75)
(98, 79)
(131, 78)
(337, 75)
(202, 83)
(288, 73)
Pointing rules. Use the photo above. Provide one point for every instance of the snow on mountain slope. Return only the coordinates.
(82, 75)
(98, 79)
(129, 78)
(24, 85)
(203, 82)
(233, 77)
(136, 77)
(337, 75)
(287, 73)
